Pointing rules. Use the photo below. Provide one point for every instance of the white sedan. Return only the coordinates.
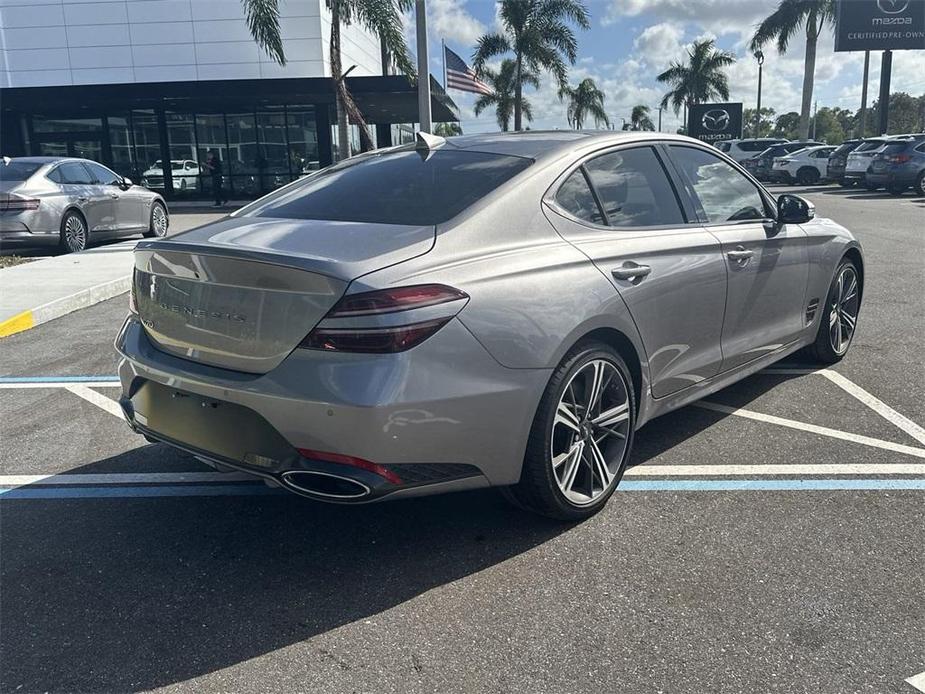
(185, 174)
(806, 166)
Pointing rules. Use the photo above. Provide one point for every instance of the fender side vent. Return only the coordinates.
(811, 309)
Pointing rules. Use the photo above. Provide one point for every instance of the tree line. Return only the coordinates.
(538, 37)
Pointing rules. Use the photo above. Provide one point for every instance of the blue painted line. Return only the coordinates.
(58, 379)
(114, 492)
(769, 485)
(141, 492)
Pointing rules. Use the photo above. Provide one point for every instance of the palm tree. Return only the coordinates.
(503, 93)
(786, 20)
(639, 119)
(447, 129)
(700, 80)
(583, 101)
(381, 17)
(538, 34)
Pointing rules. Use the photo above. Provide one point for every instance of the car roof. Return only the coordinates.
(44, 160)
(544, 144)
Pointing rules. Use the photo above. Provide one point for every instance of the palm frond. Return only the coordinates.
(262, 18)
(489, 46)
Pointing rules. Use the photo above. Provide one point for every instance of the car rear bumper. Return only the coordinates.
(444, 415)
(779, 176)
(890, 177)
(854, 175)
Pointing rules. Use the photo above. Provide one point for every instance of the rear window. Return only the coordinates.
(867, 146)
(756, 146)
(894, 148)
(398, 187)
(18, 170)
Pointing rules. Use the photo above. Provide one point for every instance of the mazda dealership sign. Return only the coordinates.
(879, 25)
(715, 122)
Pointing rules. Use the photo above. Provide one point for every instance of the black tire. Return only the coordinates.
(845, 183)
(74, 234)
(871, 187)
(539, 489)
(155, 228)
(920, 184)
(822, 350)
(808, 176)
(896, 189)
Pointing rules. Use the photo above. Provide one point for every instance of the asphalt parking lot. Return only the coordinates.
(769, 540)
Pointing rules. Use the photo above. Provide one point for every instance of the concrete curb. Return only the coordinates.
(60, 307)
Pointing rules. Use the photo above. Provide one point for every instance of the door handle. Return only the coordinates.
(82, 199)
(740, 255)
(631, 271)
(114, 196)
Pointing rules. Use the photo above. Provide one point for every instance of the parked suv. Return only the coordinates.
(806, 166)
(835, 171)
(858, 161)
(898, 165)
(740, 150)
(761, 167)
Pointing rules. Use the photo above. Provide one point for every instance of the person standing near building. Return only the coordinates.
(214, 167)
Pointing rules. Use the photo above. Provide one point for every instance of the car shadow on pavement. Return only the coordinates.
(105, 595)
(131, 594)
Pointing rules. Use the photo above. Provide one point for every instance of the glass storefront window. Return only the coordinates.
(210, 137)
(303, 142)
(273, 159)
(184, 164)
(244, 155)
(120, 142)
(49, 124)
(148, 149)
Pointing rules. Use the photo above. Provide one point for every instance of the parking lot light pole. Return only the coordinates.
(886, 68)
(759, 56)
(424, 119)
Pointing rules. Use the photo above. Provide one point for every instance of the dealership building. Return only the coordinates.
(134, 83)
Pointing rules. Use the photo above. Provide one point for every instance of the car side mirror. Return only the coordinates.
(126, 183)
(792, 209)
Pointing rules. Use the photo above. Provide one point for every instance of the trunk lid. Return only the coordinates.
(243, 292)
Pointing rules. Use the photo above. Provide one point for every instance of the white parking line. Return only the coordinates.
(58, 384)
(918, 681)
(762, 470)
(12, 481)
(91, 396)
(877, 405)
(812, 428)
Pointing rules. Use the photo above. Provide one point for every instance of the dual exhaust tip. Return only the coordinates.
(325, 485)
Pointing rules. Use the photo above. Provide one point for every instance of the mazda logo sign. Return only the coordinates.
(715, 120)
(892, 6)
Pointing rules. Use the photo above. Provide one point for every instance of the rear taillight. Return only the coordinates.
(382, 332)
(19, 204)
(898, 158)
(132, 304)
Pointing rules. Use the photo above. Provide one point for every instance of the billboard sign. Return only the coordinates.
(879, 25)
(715, 122)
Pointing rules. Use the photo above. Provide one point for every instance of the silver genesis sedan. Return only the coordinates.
(73, 202)
(494, 310)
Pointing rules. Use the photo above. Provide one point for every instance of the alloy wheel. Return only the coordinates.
(158, 221)
(75, 233)
(590, 432)
(843, 312)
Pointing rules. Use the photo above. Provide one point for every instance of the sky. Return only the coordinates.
(631, 41)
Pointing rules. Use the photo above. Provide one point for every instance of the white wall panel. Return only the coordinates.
(95, 13)
(98, 35)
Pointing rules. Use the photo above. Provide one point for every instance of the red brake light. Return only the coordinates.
(397, 299)
(353, 462)
(898, 158)
(19, 204)
(377, 338)
(372, 340)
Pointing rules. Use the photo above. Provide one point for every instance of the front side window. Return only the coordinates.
(397, 187)
(103, 175)
(575, 197)
(634, 189)
(74, 173)
(723, 192)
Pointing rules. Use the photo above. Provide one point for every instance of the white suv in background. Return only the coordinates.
(185, 174)
(805, 166)
(740, 150)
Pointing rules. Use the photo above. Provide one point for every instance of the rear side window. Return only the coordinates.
(576, 198)
(74, 173)
(894, 148)
(867, 146)
(18, 170)
(724, 194)
(634, 189)
(403, 187)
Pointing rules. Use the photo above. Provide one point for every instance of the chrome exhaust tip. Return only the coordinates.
(325, 485)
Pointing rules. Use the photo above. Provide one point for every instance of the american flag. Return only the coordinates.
(462, 77)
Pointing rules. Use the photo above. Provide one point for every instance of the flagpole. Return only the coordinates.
(443, 55)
